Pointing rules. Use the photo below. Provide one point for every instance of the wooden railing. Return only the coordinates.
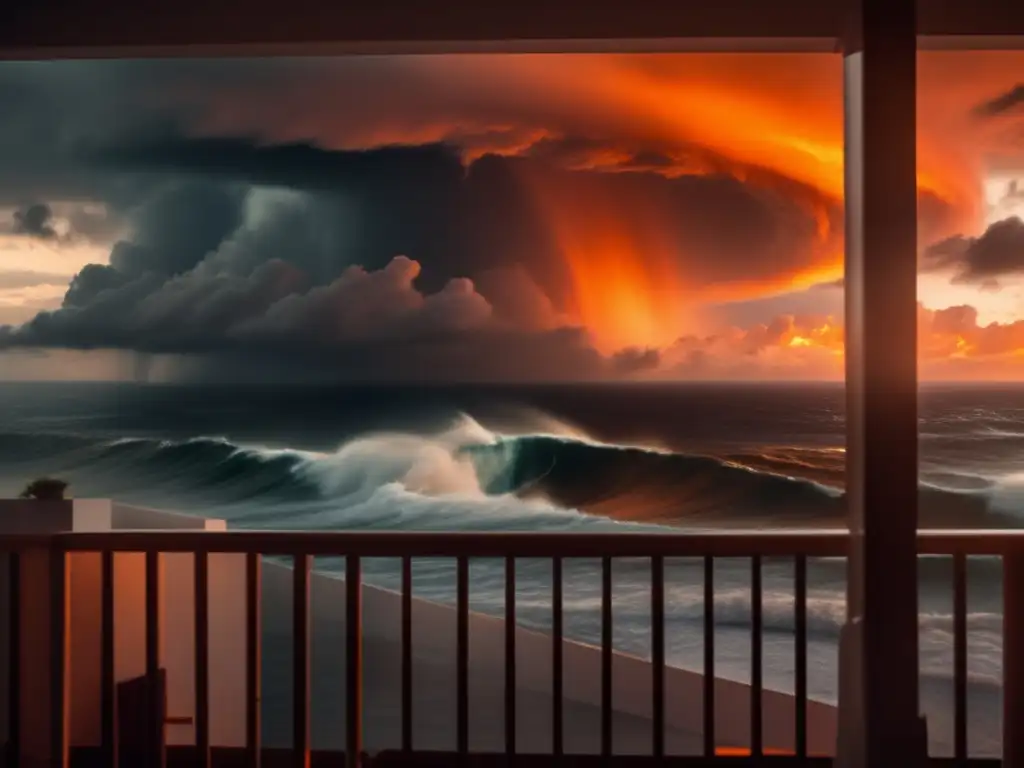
(302, 547)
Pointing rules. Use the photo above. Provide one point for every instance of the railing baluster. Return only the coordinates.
(800, 642)
(510, 656)
(709, 656)
(658, 655)
(407, 654)
(606, 656)
(556, 656)
(59, 651)
(253, 658)
(353, 661)
(108, 683)
(300, 658)
(462, 656)
(202, 657)
(153, 681)
(1013, 659)
(14, 660)
(960, 657)
(756, 672)
(407, 549)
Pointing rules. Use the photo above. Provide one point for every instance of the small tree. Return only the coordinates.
(45, 489)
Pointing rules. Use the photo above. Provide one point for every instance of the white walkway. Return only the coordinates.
(433, 705)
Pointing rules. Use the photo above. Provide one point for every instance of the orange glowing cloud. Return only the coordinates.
(639, 269)
(952, 344)
(620, 298)
(773, 122)
(954, 334)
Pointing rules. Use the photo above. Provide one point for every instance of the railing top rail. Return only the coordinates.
(474, 544)
(733, 543)
(17, 542)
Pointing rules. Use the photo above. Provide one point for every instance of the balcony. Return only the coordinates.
(879, 52)
(205, 611)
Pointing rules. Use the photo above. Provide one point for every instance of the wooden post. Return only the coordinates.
(43, 624)
(879, 713)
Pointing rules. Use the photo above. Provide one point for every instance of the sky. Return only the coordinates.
(484, 217)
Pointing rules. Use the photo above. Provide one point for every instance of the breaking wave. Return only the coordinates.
(536, 476)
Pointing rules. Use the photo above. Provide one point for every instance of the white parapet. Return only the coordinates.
(84, 615)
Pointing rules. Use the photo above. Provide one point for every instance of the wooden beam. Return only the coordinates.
(113, 28)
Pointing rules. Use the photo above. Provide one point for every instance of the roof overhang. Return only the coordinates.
(196, 28)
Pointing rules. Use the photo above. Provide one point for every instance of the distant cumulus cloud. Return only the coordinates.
(35, 220)
(954, 332)
(996, 254)
(1003, 103)
(636, 360)
(62, 223)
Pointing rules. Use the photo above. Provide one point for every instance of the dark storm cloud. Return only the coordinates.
(92, 281)
(35, 220)
(408, 199)
(984, 260)
(233, 244)
(297, 165)
(1003, 103)
(364, 325)
(64, 110)
(289, 252)
(372, 205)
(350, 207)
(176, 228)
(172, 231)
(50, 110)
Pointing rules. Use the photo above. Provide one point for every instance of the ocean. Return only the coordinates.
(559, 458)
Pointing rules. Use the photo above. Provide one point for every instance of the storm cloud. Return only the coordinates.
(319, 257)
(1003, 103)
(35, 220)
(997, 254)
(423, 217)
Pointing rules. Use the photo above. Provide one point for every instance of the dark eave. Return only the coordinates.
(119, 28)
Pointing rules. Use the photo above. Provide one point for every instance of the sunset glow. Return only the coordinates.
(682, 213)
(770, 121)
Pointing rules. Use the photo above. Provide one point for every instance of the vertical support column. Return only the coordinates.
(1013, 661)
(879, 713)
(44, 643)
